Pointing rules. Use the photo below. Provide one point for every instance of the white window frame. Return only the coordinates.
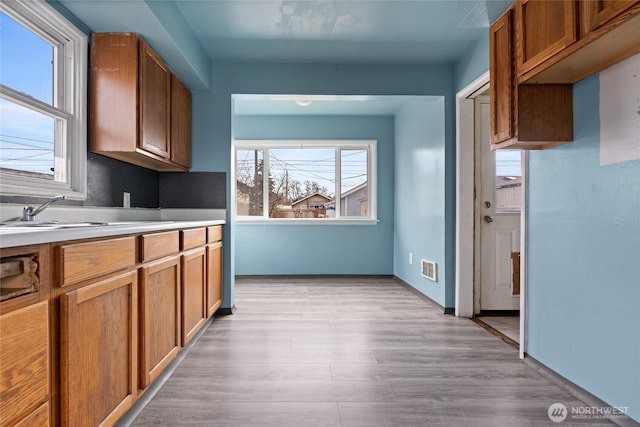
(69, 103)
(372, 179)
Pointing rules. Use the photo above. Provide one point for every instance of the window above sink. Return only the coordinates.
(43, 83)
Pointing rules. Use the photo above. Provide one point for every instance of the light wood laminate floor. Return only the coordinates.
(349, 352)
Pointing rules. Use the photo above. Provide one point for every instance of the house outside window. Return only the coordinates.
(305, 180)
(43, 80)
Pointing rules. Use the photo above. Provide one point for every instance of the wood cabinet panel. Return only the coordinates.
(194, 276)
(193, 238)
(595, 13)
(543, 28)
(214, 277)
(155, 81)
(24, 363)
(545, 114)
(83, 261)
(114, 87)
(38, 418)
(159, 245)
(159, 317)
(608, 34)
(502, 88)
(98, 351)
(180, 123)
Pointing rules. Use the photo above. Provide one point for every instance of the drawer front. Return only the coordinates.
(159, 245)
(84, 261)
(214, 233)
(193, 238)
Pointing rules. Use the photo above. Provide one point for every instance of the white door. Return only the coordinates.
(498, 200)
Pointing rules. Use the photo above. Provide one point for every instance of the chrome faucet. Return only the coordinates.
(29, 212)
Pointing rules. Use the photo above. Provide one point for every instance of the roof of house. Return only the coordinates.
(297, 202)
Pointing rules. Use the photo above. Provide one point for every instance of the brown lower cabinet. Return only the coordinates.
(109, 315)
(98, 351)
(214, 277)
(194, 277)
(159, 317)
(24, 366)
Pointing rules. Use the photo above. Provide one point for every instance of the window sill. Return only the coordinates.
(314, 221)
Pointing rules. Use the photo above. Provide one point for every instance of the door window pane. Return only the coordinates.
(354, 200)
(249, 182)
(508, 180)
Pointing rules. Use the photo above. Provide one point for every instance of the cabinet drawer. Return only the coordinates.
(159, 245)
(193, 238)
(214, 233)
(24, 362)
(84, 261)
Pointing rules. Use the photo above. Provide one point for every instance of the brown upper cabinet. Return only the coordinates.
(180, 123)
(597, 13)
(566, 41)
(543, 28)
(140, 112)
(537, 50)
(523, 116)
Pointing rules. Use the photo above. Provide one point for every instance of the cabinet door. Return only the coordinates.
(214, 277)
(24, 365)
(543, 28)
(159, 317)
(595, 13)
(180, 123)
(98, 351)
(194, 311)
(155, 81)
(502, 79)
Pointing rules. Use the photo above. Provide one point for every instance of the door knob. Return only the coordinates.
(488, 219)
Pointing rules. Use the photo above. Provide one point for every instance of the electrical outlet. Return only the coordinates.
(126, 200)
(410, 257)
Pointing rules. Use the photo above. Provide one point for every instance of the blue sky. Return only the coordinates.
(26, 136)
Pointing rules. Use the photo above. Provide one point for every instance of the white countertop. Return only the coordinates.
(12, 236)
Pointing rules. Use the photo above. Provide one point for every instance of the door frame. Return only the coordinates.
(465, 208)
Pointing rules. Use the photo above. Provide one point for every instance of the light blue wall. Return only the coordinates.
(308, 249)
(583, 284)
(211, 137)
(420, 196)
(473, 63)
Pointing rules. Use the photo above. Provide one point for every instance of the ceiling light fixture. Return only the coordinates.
(303, 102)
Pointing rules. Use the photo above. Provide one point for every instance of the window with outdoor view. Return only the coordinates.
(42, 102)
(508, 180)
(305, 180)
